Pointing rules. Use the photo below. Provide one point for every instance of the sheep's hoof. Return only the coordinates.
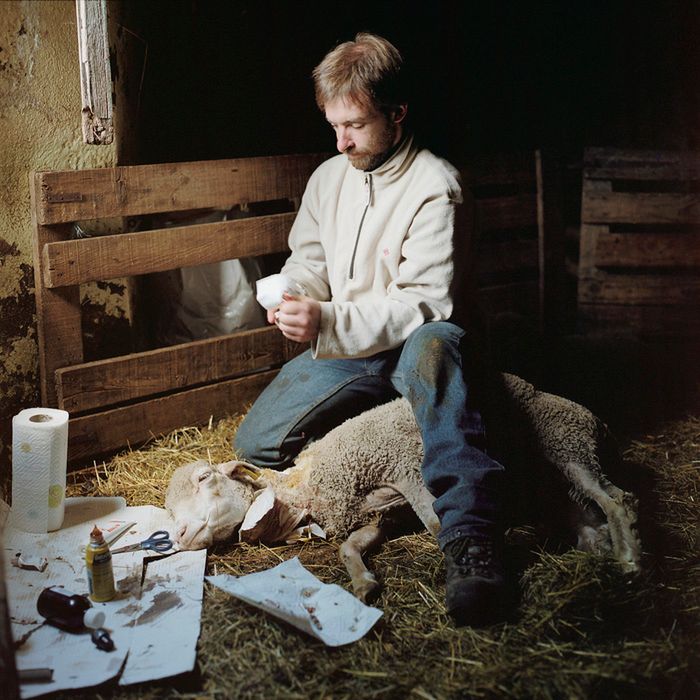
(365, 586)
(594, 539)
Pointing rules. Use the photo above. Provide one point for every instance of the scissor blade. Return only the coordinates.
(127, 548)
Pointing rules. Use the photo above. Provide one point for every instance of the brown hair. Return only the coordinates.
(368, 70)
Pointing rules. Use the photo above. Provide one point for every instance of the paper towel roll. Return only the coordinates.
(39, 455)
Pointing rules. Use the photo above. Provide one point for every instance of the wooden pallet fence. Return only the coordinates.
(520, 253)
(639, 262)
(126, 400)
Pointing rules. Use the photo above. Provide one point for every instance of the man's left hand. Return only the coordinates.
(299, 318)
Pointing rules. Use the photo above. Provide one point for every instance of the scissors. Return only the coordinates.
(159, 541)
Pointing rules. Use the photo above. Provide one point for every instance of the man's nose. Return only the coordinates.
(343, 141)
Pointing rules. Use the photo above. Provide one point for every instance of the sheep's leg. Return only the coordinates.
(591, 526)
(421, 501)
(619, 508)
(363, 581)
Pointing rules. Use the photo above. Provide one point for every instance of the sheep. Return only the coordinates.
(370, 465)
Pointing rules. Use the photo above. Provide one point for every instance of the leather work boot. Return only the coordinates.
(475, 586)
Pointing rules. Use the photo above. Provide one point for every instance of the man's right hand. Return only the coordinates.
(298, 317)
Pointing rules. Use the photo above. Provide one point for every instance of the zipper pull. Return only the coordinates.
(368, 189)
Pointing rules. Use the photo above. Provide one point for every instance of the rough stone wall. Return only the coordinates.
(40, 129)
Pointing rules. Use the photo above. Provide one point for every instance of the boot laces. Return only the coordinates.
(473, 557)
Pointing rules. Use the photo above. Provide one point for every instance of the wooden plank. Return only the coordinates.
(647, 250)
(650, 321)
(589, 233)
(588, 243)
(127, 254)
(99, 433)
(120, 379)
(662, 290)
(499, 213)
(95, 71)
(620, 164)
(641, 208)
(59, 331)
(76, 195)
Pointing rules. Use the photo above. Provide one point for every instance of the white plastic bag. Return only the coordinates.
(205, 301)
(219, 298)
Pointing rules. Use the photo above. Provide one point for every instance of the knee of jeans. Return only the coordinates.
(430, 346)
(434, 334)
(249, 445)
(246, 443)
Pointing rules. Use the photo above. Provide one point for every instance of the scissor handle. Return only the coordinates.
(158, 541)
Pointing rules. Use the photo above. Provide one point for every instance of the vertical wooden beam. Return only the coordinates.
(551, 241)
(8, 670)
(57, 310)
(95, 72)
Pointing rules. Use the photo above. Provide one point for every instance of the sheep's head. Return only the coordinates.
(209, 501)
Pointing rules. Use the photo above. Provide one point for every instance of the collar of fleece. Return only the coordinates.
(395, 166)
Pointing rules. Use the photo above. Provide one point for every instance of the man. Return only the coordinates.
(374, 247)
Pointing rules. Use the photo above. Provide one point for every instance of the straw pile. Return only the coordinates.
(581, 629)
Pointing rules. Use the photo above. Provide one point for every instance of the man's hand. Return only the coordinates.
(299, 318)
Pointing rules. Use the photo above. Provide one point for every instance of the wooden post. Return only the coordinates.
(8, 670)
(551, 248)
(95, 73)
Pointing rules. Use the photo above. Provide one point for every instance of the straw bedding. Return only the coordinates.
(580, 629)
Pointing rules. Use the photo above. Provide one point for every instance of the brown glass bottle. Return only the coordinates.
(67, 610)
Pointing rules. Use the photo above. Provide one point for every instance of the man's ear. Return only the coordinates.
(242, 471)
(399, 113)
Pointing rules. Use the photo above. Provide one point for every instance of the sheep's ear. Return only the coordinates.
(243, 471)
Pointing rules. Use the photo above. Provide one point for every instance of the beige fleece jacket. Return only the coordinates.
(376, 249)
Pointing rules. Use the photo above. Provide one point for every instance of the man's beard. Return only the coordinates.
(378, 151)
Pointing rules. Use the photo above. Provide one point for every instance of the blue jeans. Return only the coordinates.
(310, 397)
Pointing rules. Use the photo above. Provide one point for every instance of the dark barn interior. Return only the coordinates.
(232, 79)
(209, 80)
(576, 125)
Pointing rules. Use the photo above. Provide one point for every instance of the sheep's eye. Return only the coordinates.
(204, 476)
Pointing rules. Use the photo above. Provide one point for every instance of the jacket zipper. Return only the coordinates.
(368, 191)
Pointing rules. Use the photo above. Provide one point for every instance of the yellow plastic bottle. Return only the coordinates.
(98, 562)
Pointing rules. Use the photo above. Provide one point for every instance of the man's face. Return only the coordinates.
(362, 132)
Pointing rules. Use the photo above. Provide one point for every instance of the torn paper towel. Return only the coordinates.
(270, 520)
(292, 593)
(39, 455)
(269, 290)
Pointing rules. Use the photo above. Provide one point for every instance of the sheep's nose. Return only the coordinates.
(194, 535)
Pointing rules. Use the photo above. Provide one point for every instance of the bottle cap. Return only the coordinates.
(96, 535)
(101, 639)
(93, 618)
